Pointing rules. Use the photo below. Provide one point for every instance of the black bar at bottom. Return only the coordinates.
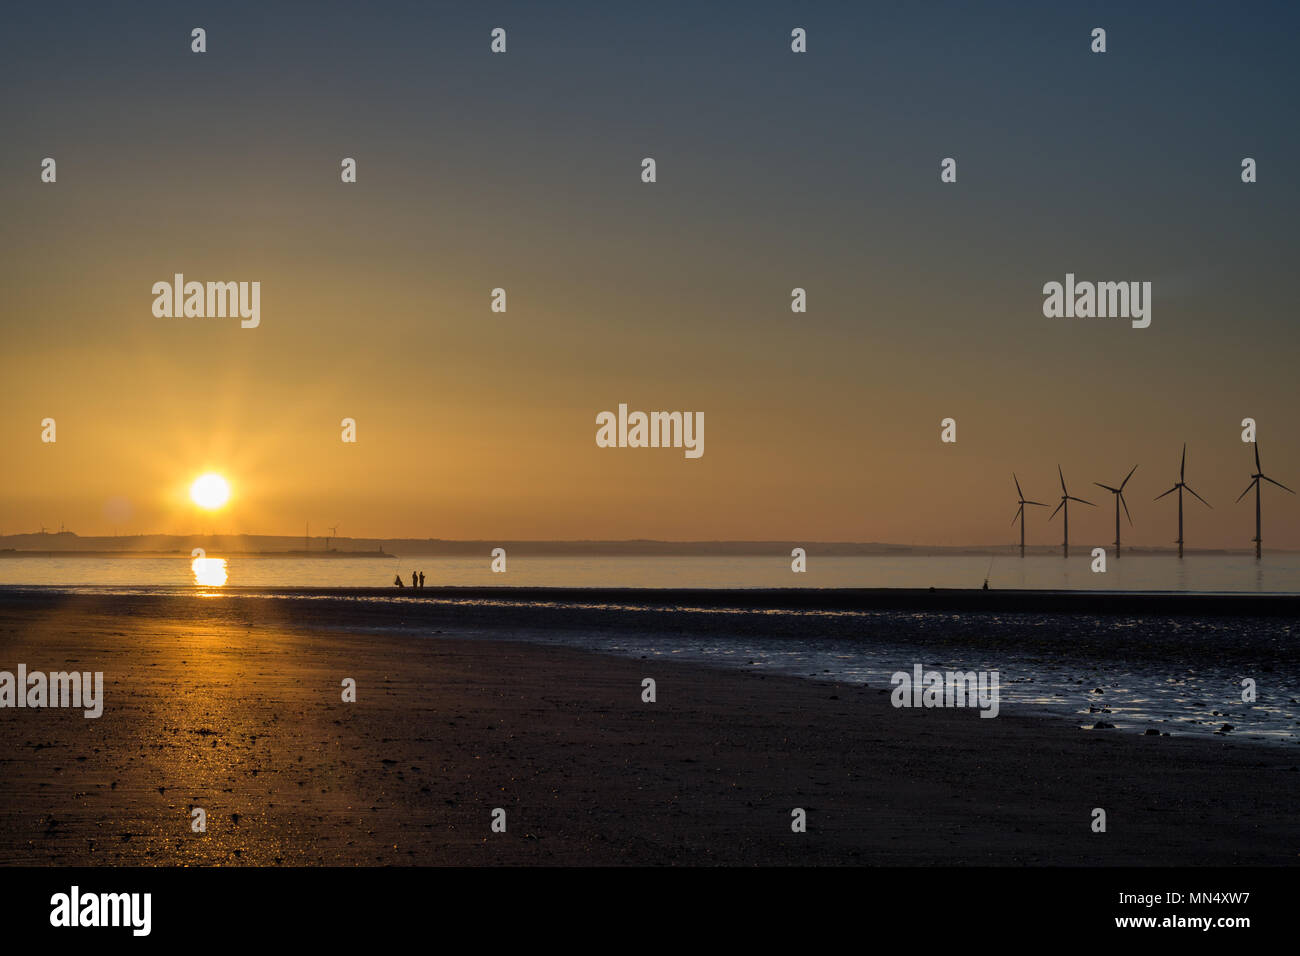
(331, 906)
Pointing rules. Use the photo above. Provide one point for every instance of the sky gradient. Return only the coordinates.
(522, 171)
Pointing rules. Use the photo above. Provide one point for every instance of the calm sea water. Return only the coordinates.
(1276, 573)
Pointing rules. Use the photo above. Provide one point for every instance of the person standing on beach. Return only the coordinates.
(414, 581)
(421, 579)
(397, 579)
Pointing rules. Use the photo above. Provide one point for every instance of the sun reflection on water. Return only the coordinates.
(209, 572)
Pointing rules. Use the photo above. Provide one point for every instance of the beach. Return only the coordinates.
(235, 705)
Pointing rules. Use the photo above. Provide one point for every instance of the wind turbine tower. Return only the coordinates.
(1255, 480)
(1020, 512)
(1119, 499)
(1066, 498)
(1182, 468)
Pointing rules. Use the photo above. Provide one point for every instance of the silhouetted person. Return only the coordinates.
(415, 581)
(421, 579)
(397, 579)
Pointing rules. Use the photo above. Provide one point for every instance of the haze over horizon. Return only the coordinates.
(343, 545)
(775, 171)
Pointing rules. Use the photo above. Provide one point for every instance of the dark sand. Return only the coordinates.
(236, 708)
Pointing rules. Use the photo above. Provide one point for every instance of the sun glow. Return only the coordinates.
(210, 491)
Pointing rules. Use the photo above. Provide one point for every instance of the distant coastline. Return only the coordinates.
(216, 552)
(250, 545)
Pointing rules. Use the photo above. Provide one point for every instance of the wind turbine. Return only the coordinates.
(1020, 512)
(1066, 498)
(1179, 488)
(1119, 499)
(1254, 482)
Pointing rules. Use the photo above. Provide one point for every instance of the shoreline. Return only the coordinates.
(1182, 603)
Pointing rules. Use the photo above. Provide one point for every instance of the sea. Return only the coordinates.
(1276, 573)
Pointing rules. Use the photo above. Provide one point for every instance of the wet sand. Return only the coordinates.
(236, 707)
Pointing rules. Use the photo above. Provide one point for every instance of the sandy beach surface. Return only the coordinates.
(236, 707)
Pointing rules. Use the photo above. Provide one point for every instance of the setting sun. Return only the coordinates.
(210, 491)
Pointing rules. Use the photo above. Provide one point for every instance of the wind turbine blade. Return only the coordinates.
(1125, 504)
(1083, 500)
(1169, 492)
(1017, 514)
(1107, 487)
(1126, 478)
(1062, 474)
(1183, 467)
(1252, 484)
(1257, 468)
(1278, 483)
(1202, 500)
(1019, 493)
(1039, 503)
(1058, 508)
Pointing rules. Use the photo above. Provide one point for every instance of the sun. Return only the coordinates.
(210, 491)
